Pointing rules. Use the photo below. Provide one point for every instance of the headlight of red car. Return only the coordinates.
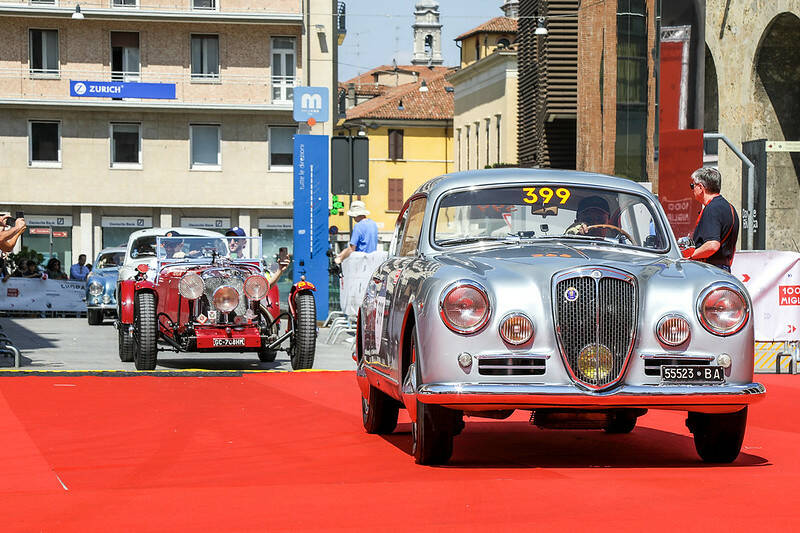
(191, 286)
(464, 307)
(255, 287)
(226, 298)
(723, 309)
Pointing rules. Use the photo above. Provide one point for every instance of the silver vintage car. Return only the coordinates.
(561, 293)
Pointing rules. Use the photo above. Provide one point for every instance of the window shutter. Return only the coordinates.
(395, 202)
(395, 144)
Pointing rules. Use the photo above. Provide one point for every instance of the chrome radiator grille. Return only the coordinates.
(595, 322)
(235, 281)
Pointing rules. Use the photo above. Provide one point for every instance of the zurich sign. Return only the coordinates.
(311, 103)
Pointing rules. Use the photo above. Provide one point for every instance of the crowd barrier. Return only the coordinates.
(42, 295)
(357, 270)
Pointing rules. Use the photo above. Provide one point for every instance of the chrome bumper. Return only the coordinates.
(104, 307)
(484, 396)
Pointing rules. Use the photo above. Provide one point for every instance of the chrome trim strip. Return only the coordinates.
(509, 355)
(683, 357)
(568, 395)
(381, 374)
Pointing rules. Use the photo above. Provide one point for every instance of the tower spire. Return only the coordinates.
(427, 34)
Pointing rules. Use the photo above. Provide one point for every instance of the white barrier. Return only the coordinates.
(773, 280)
(357, 270)
(24, 294)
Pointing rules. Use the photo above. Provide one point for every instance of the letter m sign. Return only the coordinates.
(311, 102)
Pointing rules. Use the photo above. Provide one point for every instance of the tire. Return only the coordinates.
(436, 426)
(144, 331)
(620, 423)
(125, 344)
(94, 316)
(267, 356)
(379, 412)
(304, 338)
(718, 437)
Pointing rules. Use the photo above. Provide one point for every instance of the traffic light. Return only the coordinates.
(336, 205)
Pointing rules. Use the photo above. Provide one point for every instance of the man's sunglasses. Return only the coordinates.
(692, 184)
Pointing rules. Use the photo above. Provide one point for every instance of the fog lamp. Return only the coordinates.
(724, 360)
(226, 298)
(191, 286)
(465, 360)
(595, 362)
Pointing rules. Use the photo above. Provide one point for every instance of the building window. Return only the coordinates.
(205, 57)
(466, 158)
(44, 143)
(458, 148)
(477, 49)
(503, 43)
(51, 2)
(281, 147)
(488, 121)
(124, 56)
(124, 3)
(44, 52)
(209, 5)
(631, 139)
(395, 144)
(283, 69)
(205, 146)
(126, 145)
(499, 152)
(477, 145)
(395, 202)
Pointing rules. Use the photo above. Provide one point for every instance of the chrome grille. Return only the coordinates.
(652, 367)
(212, 283)
(491, 365)
(595, 316)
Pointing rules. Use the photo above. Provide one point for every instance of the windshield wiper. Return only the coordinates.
(576, 236)
(467, 240)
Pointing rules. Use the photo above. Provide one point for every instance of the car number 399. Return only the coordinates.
(692, 374)
(229, 342)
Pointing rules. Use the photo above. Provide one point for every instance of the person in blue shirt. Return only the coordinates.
(79, 270)
(364, 237)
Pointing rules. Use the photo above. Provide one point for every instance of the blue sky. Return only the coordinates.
(380, 30)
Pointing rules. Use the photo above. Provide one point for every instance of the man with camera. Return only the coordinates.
(12, 229)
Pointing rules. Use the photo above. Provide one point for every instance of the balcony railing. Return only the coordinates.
(225, 89)
(162, 6)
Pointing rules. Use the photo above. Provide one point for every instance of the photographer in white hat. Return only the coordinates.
(364, 237)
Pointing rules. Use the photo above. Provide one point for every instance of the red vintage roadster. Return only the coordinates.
(211, 294)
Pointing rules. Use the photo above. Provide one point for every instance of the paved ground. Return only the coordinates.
(72, 344)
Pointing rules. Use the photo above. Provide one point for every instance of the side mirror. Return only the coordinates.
(686, 246)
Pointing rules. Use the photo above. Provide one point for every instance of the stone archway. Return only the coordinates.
(777, 106)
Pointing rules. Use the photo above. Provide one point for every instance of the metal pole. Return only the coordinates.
(751, 184)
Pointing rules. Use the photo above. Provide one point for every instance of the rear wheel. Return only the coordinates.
(94, 316)
(304, 338)
(144, 331)
(126, 351)
(379, 412)
(718, 437)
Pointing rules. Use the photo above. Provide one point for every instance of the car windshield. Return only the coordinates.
(538, 211)
(208, 248)
(109, 260)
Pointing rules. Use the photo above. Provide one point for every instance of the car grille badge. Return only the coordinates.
(212, 314)
(571, 294)
(202, 318)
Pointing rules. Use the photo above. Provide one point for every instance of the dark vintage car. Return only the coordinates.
(560, 293)
(210, 294)
(101, 285)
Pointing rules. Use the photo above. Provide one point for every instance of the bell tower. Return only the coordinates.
(427, 34)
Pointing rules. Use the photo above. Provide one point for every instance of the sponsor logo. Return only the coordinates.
(224, 341)
(571, 294)
(789, 295)
(80, 88)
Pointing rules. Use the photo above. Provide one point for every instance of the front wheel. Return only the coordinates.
(126, 350)
(379, 412)
(433, 433)
(718, 437)
(304, 338)
(145, 330)
(94, 316)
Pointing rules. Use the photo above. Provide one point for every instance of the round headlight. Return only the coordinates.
(673, 330)
(464, 307)
(226, 298)
(516, 329)
(191, 286)
(723, 310)
(95, 288)
(255, 287)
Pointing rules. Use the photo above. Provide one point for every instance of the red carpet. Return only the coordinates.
(282, 451)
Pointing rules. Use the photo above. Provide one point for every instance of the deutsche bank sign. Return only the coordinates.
(121, 89)
(311, 102)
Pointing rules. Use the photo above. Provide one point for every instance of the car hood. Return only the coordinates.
(538, 262)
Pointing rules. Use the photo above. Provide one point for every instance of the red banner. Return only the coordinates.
(680, 154)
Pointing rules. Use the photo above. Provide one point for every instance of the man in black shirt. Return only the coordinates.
(718, 225)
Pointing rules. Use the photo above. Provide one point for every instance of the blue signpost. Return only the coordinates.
(121, 89)
(311, 103)
(311, 215)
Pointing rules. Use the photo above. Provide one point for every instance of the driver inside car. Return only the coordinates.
(592, 211)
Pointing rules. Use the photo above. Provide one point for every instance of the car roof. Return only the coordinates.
(112, 250)
(184, 232)
(474, 178)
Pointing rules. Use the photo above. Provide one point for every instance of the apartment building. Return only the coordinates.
(119, 115)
